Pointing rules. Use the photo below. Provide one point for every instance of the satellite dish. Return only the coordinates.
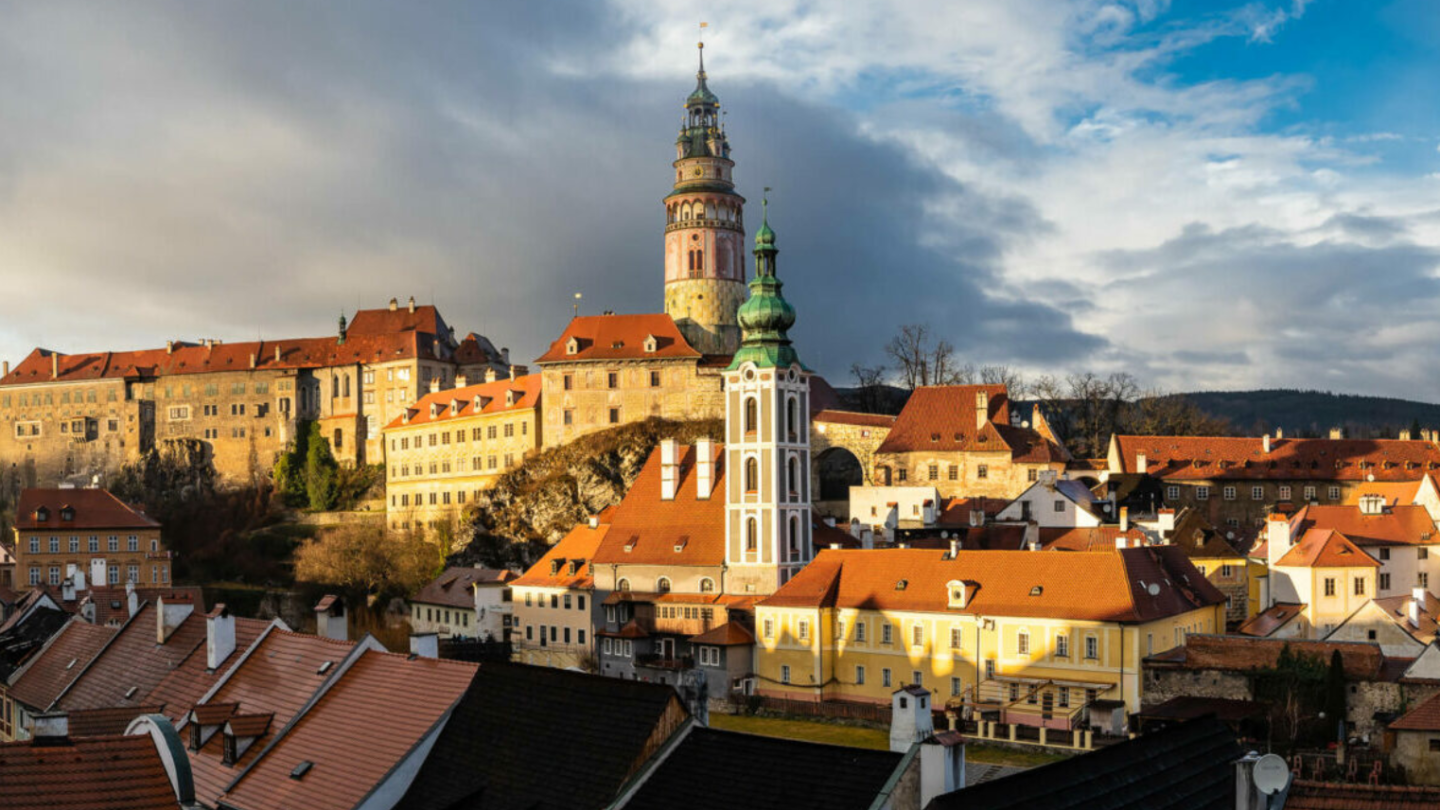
(1154, 589)
(1271, 773)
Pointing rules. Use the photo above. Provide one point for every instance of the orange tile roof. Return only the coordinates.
(579, 544)
(492, 396)
(1206, 457)
(1396, 526)
(92, 508)
(956, 511)
(619, 337)
(1326, 548)
(455, 585)
(48, 675)
(1424, 717)
(654, 529)
(189, 682)
(838, 417)
(1092, 538)
(1394, 492)
(1098, 586)
(132, 664)
(376, 685)
(729, 634)
(93, 773)
(385, 321)
(1266, 622)
(278, 675)
(942, 418)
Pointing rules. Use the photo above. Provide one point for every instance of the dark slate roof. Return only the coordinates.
(720, 770)
(1185, 766)
(20, 642)
(536, 738)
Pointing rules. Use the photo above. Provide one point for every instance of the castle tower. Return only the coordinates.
(767, 440)
(704, 229)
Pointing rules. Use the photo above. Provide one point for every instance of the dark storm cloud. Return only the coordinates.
(234, 170)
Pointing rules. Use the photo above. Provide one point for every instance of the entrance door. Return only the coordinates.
(667, 648)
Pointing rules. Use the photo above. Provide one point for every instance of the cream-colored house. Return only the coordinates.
(1322, 570)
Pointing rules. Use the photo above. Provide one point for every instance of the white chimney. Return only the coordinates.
(1417, 605)
(219, 636)
(911, 720)
(1277, 536)
(67, 586)
(977, 517)
(51, 728)
(704, 468)
(77, 575)
(942, 766)
(412, 303)
(1279, 433)
(434, 384)
(132, 599)
(330, 618)
(867, 539)
(1265, 442)
(1405, 435)
(1336, 433)
(461, 380)
(425, 645)
(1124, 519)
(169, 616)
(1165, 522)
(669, 475)
(855, 528)
(490, 375)
(1120, 541)
(1031, 537)
(1141, 464)
(954, 547)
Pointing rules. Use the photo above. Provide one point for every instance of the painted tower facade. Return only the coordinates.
(767, 441)
(704, 229)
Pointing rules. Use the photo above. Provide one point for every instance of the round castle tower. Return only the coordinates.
(704, 229)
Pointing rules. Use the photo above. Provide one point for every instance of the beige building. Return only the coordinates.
(78, 417)
(1320, 570)
(87, 535)
(453, 443)
(554, 605)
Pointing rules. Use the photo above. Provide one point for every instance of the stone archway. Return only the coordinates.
(837, 469)
(858, 435)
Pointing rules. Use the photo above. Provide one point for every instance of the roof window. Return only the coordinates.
(42, 514)
(67, 513)
(902, 584)
(302, 769)
(324, 667)
(129, 693)
(1037, 590)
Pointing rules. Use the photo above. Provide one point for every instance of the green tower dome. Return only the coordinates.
(766, 316)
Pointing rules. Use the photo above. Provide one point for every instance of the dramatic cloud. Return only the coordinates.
(1043, 182)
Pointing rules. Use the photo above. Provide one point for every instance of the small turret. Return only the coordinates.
(341, 340)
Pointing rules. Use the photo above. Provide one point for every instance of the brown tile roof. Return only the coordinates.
(653, 529)
(1424, 717)
(879, 420)
(455, 586)
(1201, 457)
(942, 418)
(492, 397)
(1307, 795)
(189, 682)
(278, 675)
(1398, 609)
(619, 337)
(96, 773)
(1090, 538)
(49, 674)
(106, 722)
(579, 545)
(956, 511)
(132, 664)
(249, 725)
(728, 634)
(1267, 621)
(376, 685)
(1326, 548)
(1361, 661)
(1396, 526)
(92, 508)
(385, 321)
(112, 604)
(1097, 586)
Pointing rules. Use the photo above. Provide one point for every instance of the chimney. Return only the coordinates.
(1417, 605)
(412, 303)
(704, 468)
(954, 547)
(425, 645)
(1279, 433)
(169, 616)
(1141, 465)
(76, 574)
(1265, 442)
(490, 374)
(942, 765)
(594, 521)
(512, 373)
(434, 384)
(911, 718)
(1337, 433)
(330, 618)
(1405, 435)
(67, 586)
(505, 356)
(1372, 504)
(461, 380)
(1165, 522)
(219, 636)
(1277, 536)
(394, 305)
(1031, 537)
(669, 475)
(1121, 541)
(977, 516)
(51, 728)
(855, 528)
(982, 410)
(1124, 519)
(132, 599)
(867, 538)
(252, 359)
(55, 365)
(6, 372)
(169, 347)
(927, 511)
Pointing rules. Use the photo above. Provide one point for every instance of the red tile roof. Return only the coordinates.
(106, 722)
(729, 634)
(1307, 795)
(385, 321)
(95, 773)
(619, 337)
(492, 397)
(92, 508)
(1361, 661)
(1396, 526)
(942, 418)
(580, 544)
(1424, 717)
(653, 529)
(1397, 608)
(1097, 586)
(1266, 622)
(1206, 457)
(133, 661)
(112, 604)
(455, 586)
(189, 682)
(1092, 538)
(278, 675)
(376, 685)
(1326, 548)
(48, 675)
(837, 417)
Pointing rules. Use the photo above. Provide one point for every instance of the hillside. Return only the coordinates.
(1313, 413)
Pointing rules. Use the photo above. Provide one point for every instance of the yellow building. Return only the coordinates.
(1321, 570)
(451, 444)
(1033, 635)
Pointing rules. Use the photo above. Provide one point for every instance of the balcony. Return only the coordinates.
(658, 661)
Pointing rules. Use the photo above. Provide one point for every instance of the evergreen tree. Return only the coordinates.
(1335, 689)
(320, 472)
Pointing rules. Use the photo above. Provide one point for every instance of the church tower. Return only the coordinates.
(767, 440)
(704, 229)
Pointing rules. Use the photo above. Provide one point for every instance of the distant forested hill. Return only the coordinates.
(1313, 413)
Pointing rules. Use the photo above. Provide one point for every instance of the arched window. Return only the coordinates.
(710, 211)
(707, 585)
(791, 419)
(752, 532)
(794, 539)
(622, 585)
(685, 211)
(662, 585)
(699, 260)
(792, 476)
(347, 385)
(752, 416)
(752, 475)
(335, 387)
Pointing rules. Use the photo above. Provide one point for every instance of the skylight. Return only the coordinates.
(302, 769)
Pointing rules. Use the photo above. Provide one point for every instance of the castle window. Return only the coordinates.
(752, 417)
(752, 531)
(662, 585)
(794, 538)
(793, 477)
(752, 475)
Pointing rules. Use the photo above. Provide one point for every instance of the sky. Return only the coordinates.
(1208, 195)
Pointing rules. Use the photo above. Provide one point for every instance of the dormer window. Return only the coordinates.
(67, 513)
(509, 398)
(902, 584)
(955, 592)
(434, 409)
(42, 514)
(575, 567)
(454, 407)
(619, 344)
(1037, 590)
(681, 543)
(651, 344)
(555, 566)
(572, 346)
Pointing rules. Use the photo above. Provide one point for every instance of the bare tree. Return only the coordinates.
(1012, 379)
(869, 386)
(923, 360)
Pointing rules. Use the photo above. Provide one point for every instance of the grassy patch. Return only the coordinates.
(829, 733)
(994, 755)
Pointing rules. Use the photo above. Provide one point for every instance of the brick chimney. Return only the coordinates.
(704, 468)
(219, 636)
(669, 469)
(330, 618)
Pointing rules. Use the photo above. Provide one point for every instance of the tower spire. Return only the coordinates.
(766, 316)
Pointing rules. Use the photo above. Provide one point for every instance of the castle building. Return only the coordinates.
(79, 417)
(609, 370)
(441, 451)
